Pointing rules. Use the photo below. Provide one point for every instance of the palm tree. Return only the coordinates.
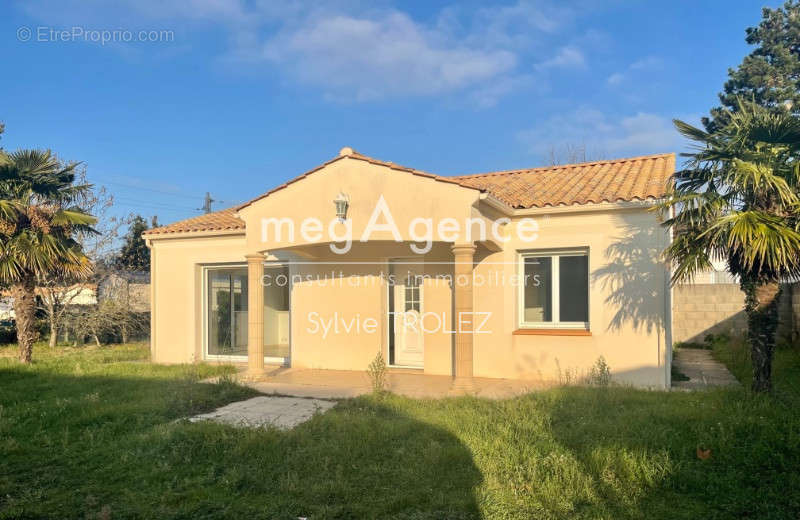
(737, 201)
(40, 215)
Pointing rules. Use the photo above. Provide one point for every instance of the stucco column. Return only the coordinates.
(462, 288)
(255, 315)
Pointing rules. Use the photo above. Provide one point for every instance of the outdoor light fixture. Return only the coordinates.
(342, 202)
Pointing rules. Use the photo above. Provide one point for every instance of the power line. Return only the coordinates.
(153, 190)
(207, 203)
(129, 201)
(153, 203)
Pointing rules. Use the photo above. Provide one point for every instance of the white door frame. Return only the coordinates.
(204, 311)
(389, 338)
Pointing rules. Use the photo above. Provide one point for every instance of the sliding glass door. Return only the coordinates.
(276, 313)
(227, 312)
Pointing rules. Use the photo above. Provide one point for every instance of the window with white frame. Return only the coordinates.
(554, 292)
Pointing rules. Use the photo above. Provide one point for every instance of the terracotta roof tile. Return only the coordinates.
(223, 220)
(615, 180)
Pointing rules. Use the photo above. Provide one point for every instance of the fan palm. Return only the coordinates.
(40, 215)
(738, 201)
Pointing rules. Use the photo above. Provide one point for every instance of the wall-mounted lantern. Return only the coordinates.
(342, 202)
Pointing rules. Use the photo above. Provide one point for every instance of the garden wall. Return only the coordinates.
(701, 309)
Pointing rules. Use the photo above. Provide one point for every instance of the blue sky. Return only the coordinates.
(242, 95)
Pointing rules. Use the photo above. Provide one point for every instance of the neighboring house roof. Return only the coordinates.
(615, 180)
(135, 277)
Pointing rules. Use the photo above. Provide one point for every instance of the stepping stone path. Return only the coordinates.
(281, 412)
(702, 370)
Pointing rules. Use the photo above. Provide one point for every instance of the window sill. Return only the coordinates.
(552, 332)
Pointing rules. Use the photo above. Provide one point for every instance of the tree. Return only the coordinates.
(3, 155)
(40, 214)
(737, 200)
(112, 318)
(59, 291)
(770, 75)
(134, 254)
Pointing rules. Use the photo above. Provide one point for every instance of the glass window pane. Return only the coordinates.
(538, 290)
(227, 312)
(276, 311)
(573, 288)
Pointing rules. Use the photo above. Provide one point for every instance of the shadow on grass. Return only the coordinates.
(639, 452)
(109, 443)
(85, 446)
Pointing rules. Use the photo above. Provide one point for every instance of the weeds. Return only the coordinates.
(600, 373)
(106, 443)
(377, 374)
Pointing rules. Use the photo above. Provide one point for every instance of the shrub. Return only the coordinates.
(8, 333)
(377, 373)
(600, 374)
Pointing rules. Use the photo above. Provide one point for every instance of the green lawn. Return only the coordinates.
(94, 433)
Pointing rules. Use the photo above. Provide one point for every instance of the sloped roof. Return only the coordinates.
(352, 154)
(616, 180)
(223, 220)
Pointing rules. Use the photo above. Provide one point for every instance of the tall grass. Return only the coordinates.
(98, 433)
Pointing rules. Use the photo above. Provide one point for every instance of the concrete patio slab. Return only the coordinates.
(702, 370)
(340, 384)
(281, 412)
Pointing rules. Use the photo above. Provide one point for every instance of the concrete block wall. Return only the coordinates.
(701, 309)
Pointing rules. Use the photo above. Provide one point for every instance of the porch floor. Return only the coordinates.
(345, 383)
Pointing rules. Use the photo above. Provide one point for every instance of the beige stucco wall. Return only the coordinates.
(176, 285)
(628, 301)
(351, 294)
(627, 304)
(406, 195)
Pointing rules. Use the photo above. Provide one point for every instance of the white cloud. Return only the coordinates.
(615, 79)
(569, 57)
(602, 135)
(373, 57)
(351, 49)
(648, 63)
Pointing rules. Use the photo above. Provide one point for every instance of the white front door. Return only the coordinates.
(409, 347)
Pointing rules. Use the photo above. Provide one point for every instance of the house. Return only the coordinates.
(77, 294)
(521, 274)
(132, 287)
(57, 294)
(6, 308)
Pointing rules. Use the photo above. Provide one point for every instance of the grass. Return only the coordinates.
(95, 433)
(735, 354)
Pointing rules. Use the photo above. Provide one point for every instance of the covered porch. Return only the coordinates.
(373, 295)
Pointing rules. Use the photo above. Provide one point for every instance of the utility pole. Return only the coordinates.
(207, 203)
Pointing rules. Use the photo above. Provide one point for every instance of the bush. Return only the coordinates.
(600, 374)
(8, 333)
(377, 373)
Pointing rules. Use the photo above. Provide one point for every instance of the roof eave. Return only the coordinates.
(192, 234)
(572, 208)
